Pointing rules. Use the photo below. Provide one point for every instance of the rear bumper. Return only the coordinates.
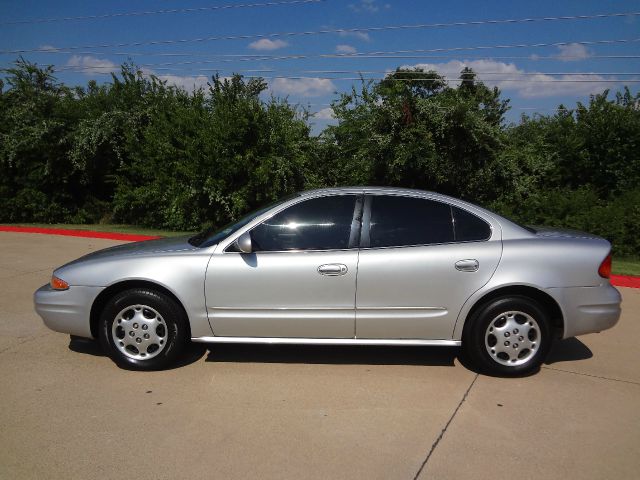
(587, 309)
(66, 311)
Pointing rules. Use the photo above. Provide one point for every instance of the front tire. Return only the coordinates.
(142, 329)
(508, 336)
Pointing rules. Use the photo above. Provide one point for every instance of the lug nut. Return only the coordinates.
(131, 334)
(506, 334)
(144, 327)
(138, 340)
(506, 344)
(146, 335)
(521, 338)
(135, 325)
(515, 345)
(515, 331)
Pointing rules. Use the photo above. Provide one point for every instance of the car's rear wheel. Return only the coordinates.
(508, 336)
(143, 329)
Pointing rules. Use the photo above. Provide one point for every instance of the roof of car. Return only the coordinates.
(363, 189)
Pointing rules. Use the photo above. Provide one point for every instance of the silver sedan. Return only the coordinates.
(343, 266)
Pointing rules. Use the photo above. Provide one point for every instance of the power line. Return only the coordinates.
(226, 58)
(262, 58)
(338, 31)
(108, 70)
(160, 12)
(160, 66)
(381, 54)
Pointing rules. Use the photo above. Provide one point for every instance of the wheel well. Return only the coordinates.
(545, 300)
(110, 291)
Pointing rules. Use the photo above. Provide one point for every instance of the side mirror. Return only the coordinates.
(243, 243)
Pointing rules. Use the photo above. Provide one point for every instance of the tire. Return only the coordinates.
(508, 336)
(142, 329)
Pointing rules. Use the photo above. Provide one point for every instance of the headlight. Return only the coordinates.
(58, 283)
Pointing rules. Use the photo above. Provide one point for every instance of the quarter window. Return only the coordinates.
(468, 227)
(400, 221)
(322, 223)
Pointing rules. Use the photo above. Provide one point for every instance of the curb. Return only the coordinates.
(130, 237)
(625, 281)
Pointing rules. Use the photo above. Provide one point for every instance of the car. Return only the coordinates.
(343, 266)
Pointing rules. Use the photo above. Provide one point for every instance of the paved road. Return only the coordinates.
(303, 412)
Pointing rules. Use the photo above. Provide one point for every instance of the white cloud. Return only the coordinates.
(268, 45)
(307, 87)
(531, 85)
(48, 48)
(345, 49)
(573, 52)
(91, 65)
(188, 83)
(324, 114)
(364, 36)
(368, 6)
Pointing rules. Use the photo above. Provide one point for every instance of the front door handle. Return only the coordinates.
(333, 269)
(468, 265)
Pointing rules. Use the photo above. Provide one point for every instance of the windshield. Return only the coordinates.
(213, 235)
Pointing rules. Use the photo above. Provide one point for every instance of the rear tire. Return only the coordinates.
(142, 329)
(508, 336)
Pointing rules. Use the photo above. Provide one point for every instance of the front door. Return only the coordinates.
(421, 260)
(300, 280)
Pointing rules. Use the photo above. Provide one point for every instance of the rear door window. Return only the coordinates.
(403, 221)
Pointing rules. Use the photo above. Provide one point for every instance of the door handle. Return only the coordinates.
(332, 269)
(468, 265)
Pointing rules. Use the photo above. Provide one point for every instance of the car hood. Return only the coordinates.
(147, 247)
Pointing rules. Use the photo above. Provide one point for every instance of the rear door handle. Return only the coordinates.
(468, 265)
(332, 269)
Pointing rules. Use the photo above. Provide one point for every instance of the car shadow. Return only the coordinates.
(193, 352)
(568, 350)
(332, 354)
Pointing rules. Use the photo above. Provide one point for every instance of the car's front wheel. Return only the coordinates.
(508, 336)
(143, 329)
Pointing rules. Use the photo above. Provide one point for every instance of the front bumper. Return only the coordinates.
(588, 309)
(66, 311)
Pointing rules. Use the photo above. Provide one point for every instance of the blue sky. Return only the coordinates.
(531, 67)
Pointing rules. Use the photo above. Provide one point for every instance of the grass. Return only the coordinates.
(621, 266)
(116, 228)
(626, 266)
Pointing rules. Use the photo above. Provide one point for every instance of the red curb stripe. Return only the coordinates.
(625, 281)
(130, 237)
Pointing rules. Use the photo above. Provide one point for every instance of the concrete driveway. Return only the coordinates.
(303, 412)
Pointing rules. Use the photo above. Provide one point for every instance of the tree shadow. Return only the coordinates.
(568, 350)
(332, 354)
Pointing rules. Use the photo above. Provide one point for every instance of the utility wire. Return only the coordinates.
(435, 57)
(159, 12)
(342, 31)
(109, 70)
(397, 53)
(355, 72)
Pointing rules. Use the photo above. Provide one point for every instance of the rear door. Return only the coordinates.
(300, 280)
(420, 260)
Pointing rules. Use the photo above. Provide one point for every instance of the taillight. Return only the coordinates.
(605, 267)
(58, 283)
